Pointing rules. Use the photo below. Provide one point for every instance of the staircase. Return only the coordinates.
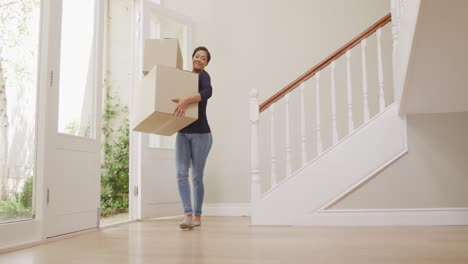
(336, 172)
(305, 196)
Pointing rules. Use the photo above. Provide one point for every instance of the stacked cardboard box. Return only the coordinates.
(161, 52)
(164, 80)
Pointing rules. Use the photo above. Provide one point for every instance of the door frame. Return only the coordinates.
(140, 141)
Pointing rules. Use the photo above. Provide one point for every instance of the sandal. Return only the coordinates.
(186, 224)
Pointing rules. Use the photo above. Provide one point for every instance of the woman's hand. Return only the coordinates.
(182, 104)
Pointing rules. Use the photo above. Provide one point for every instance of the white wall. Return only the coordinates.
(434, 173)
(264, 45)
(119, 48)
(440, 27)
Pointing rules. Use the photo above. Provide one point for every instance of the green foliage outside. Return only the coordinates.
(12, 209)
(18, 206)
(115, 168)
(25, 198)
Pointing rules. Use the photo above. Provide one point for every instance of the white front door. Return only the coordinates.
(72, 155)
(153, 157)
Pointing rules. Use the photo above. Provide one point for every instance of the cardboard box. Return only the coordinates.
(162, 52)
(155, 110)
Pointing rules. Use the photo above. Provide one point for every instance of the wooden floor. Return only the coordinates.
(233, 240)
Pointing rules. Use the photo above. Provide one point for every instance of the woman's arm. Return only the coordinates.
(205, 92)
(182, 104)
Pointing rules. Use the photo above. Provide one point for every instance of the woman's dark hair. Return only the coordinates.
(205, 50)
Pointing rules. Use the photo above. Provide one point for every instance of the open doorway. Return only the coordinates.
(115, 119)
(138, 186)
(153, 157)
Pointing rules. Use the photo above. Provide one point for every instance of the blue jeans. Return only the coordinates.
(192, 148)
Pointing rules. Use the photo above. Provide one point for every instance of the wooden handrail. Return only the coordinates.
(288, 88)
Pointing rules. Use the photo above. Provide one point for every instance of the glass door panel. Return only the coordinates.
(77, 68)
(19, 54)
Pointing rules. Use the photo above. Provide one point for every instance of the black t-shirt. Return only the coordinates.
(205, 90)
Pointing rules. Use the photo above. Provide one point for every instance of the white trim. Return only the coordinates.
(134, 159)
(45, 61)
(25, 245)
(18, 233)
(226, 209)
(405, 52)
(387, 217)
(366, 179)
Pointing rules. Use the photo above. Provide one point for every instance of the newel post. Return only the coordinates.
(254, 149)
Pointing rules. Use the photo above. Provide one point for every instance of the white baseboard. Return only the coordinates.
(39, 242)
(226, 209)
(387, 217)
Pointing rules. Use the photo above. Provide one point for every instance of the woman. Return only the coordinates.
(193, 143)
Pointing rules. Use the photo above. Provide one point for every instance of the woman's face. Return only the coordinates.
(200, 60)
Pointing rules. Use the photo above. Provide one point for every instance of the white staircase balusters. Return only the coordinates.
(364, 81)
(317, 113)
(288, 138)
(333, 103)
(380, 71)
(292, 125)
(349, 89)
(273, 146)
(303, 128)
(254, 149)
